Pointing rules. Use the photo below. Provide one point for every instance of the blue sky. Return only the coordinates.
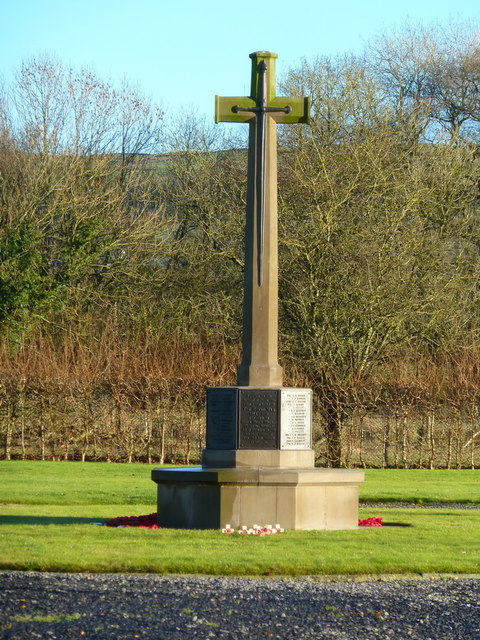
(183, 52)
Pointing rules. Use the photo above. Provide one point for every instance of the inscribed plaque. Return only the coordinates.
(258, 419)
(295, 420)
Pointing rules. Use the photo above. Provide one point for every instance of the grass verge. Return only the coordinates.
(60, 538)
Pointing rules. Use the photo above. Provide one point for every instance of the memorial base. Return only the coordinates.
(297, 499)
(254, 458)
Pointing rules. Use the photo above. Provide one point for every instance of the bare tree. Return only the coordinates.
(378, 236)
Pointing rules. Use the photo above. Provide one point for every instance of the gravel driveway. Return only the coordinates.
(114, 606)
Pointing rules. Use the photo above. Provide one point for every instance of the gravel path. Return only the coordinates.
(112, 606)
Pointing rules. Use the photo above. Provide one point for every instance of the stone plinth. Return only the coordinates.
(258, 458)
(298, 499)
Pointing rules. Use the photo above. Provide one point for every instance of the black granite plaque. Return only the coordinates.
(258, 419)
(222, 418)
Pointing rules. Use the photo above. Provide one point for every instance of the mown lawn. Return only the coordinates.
(29, 482)
(48, 509)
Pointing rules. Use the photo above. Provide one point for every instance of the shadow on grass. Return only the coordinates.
(44, 520)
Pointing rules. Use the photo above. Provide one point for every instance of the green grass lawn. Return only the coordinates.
(76, 483)
(421, 486)
(57, 538)
(47, 509)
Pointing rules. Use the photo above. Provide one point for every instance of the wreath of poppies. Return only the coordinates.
(150, 522)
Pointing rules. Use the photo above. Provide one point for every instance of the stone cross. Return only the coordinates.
(258, 465)
(262, 111)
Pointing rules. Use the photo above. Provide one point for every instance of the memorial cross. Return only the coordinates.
(263, 110)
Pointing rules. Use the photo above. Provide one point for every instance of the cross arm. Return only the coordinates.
(299, 110)
(224, 113)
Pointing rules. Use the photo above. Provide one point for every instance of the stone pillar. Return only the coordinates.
(259, 366)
